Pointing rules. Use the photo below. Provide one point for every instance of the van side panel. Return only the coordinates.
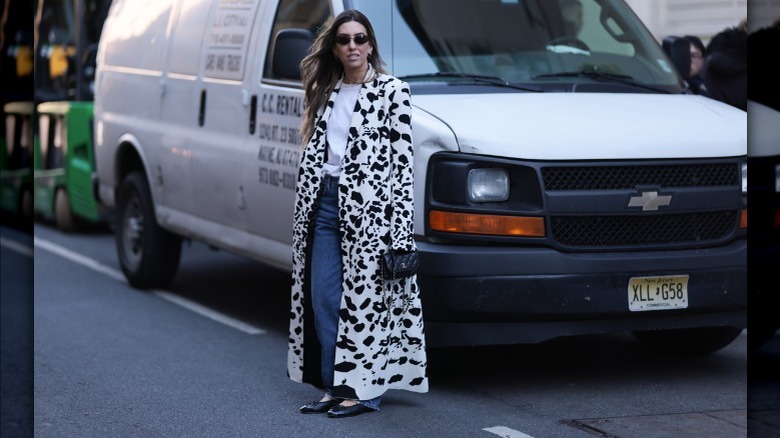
(218, 149)
(130, 61)
(137, 34)
(180, 105)
(271, 170)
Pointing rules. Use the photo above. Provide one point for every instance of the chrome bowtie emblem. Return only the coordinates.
(650, 201)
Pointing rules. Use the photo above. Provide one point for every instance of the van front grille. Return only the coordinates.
(629, 177)
(635, 230)
(621, 230)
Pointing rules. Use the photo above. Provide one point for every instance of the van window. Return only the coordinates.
(297, 14)
(187, 39)
(528, 41)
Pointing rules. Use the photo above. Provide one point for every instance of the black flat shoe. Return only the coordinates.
(319, 407)
(339, 411)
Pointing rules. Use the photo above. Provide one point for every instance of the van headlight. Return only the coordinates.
(744, 178)
(488, 185)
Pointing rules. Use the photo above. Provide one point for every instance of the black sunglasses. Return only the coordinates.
(360, 39)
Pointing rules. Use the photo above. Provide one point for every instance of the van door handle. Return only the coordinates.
(202, 111)
(253, 114)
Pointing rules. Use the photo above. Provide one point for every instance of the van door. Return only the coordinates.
(181, 85)
(272, 171)
(223, 102)
(130, 69)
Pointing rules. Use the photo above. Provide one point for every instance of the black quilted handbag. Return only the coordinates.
(399, 264)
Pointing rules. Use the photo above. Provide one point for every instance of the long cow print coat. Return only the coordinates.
(380, 343)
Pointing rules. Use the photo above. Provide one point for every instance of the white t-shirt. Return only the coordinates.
(338, 126)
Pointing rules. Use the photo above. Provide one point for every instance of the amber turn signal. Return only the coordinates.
(469, 223)
(743, 219)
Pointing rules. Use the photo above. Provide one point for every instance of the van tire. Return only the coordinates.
(697, 341)
(63, 214)
(148, 254)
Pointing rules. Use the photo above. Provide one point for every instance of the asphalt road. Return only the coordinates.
(16, 332)
(206, 358)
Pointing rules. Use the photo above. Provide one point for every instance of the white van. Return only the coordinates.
(567, 182)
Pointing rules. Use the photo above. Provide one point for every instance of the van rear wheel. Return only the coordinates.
(148, 254)
(689, 341)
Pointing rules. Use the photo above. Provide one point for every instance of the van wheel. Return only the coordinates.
(63, 214)
(149, 255)
(689, 341)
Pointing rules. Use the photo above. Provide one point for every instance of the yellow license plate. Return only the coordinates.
(658, 293)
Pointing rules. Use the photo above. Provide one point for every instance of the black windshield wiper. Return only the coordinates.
(491, 80)
(603, 76)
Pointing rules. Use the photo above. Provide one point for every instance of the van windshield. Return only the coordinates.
(535, 45)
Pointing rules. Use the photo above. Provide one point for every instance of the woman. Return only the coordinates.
(352, 333)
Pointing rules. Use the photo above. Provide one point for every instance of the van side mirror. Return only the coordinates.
(290, 47)
(679, 52)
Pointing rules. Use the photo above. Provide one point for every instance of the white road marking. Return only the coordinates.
(117, 275)
(208, 313)
(506, 432)
(16, 247)
(78, 258)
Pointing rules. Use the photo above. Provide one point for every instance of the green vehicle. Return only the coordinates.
(65, 50)
(16, 112)
(64, 165)
(16, 152)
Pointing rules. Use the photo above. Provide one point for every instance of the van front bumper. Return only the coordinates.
(503, 295)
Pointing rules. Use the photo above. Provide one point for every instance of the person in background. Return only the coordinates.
(698, 54)
(725, 67)
(352, 333)
(571, 11)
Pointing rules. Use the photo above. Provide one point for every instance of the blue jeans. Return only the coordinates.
(326, 281)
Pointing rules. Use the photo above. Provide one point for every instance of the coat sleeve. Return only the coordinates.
(402, 156)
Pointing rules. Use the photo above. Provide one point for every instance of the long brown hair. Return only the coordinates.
(320, 70)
